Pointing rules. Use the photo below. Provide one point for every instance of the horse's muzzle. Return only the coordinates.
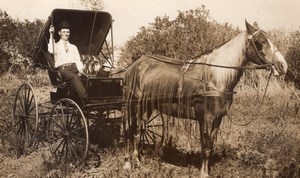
(280, 68)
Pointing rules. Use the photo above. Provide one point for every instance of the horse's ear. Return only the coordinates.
(255, 25)
(250, 28)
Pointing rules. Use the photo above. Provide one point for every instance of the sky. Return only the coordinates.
(130, 15)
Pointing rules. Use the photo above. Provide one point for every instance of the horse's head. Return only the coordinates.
(262, 51)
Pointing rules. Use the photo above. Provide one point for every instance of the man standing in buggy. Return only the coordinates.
(67, 59)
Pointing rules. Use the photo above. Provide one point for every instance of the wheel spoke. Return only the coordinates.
(55, 139)
(62, 152)
(68, 154)
(150, 136)
(152, 118)
(62, 114)
(57, 132)
(78, 138)
(24, 101)
(161, 136)
(73, 149)
(21, 104)
(18, 121)
(155, 125)
(67, 115)
(77, 121)
(57, 123)
(146, 136)
(74, 117)
(29, 109)
(59, 145)
(21, 128)
(31, 116)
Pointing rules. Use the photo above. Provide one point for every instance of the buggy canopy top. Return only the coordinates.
(89, 30)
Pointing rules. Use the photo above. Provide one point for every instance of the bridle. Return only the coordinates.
(251, 39)
(264, 62)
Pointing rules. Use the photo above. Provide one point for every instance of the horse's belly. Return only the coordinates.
(178, 110)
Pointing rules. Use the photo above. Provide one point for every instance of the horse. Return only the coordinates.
(205, 84)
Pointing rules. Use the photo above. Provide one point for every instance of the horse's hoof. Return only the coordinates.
(127, 165)
(137, 165)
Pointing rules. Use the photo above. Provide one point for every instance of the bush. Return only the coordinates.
(190, 34)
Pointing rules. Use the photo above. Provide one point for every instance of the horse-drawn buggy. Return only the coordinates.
(64, 121)
(200, 89)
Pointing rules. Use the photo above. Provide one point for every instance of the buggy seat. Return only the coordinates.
(97, 82)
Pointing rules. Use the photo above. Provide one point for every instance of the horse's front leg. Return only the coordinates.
(205, 120)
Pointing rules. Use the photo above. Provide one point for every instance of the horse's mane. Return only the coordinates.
(210, 50)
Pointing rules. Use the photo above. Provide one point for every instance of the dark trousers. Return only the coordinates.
(69, 74)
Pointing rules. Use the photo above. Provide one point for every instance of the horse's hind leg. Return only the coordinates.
(131, 127)
(126, 133)
(136, 133)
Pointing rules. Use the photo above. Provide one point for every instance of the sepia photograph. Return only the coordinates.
(149, 89)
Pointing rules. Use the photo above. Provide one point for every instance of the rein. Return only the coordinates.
(122, 70)
(257, 67)
(265, 66)
(259, 107)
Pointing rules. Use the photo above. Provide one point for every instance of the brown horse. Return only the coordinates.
(204, 84)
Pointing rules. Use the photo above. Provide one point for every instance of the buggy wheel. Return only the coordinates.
(25, 113)
(153, 130)
(67, 132)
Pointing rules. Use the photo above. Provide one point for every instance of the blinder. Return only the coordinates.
(256, 49)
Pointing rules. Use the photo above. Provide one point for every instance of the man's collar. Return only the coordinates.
(63, 41)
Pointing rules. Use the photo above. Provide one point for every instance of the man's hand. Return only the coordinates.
(51, 29)
(82, 76)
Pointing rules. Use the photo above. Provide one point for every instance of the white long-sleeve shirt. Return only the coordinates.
(61, 56)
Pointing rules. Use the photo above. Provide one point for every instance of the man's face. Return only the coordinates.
(64, 34)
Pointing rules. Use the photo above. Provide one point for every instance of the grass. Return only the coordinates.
(269, 146)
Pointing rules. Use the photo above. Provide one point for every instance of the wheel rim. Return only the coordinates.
(25, 118)
(68, 132)
(153, 130)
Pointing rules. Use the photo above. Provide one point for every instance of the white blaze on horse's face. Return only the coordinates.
(279, 64)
